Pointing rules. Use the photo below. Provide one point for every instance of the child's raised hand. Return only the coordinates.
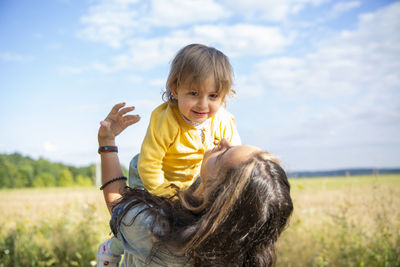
(116, 122)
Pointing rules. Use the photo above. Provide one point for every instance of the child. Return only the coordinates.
(191, 121)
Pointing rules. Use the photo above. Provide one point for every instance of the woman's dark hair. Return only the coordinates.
(235, 222)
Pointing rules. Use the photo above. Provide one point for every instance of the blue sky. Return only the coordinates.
(317, 81)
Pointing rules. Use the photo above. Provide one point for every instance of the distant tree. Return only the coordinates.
(44, 179)
(27, 174)
(20, 171)
(38, 182)
(4, 174)
(13, 176)
(43, 165)
(65, 178)
(89, 171)
(83, 180)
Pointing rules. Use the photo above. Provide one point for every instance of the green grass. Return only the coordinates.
(51, 226)
(300, 185)
(343, 221)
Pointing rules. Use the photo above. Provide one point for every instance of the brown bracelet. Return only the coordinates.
(112, 181)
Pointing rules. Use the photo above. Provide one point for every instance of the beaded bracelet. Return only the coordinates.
(108, 149)
(112, 181)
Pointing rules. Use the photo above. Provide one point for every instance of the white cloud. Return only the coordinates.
(350, 88)
(101, 67)
(270, 10)
(173, 13)
(84, 108)
(134, 79)
(110, 22)
(146, 53)
(66, 70)
(342, 7)
(149, 33)
(245, 87)
(367, 59)
(113, 22)
(144, 105)
(49, 147)
(361, 132)
(235, 41)
(242, 39)
(157, 82)
(368, 120)
(11, 56)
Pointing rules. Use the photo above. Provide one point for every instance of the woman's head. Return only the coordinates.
(234, 218)
(224, 156)
(245, 206)
(199, 80)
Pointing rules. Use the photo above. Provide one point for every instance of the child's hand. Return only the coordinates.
(115, 123)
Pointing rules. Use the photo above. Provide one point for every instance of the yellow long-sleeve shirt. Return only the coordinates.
(173, 149)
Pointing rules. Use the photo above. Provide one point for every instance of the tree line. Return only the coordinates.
(17, 171)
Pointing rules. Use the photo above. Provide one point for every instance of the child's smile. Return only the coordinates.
(199, 114)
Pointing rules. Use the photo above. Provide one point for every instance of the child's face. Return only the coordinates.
(198, 103)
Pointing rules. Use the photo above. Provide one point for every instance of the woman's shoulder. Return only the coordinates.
(135, 232)
(135, 215)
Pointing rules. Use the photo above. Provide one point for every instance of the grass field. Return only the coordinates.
(342, 221)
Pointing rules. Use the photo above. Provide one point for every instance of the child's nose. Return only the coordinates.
(202, 102)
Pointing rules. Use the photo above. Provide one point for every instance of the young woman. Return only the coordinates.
(233, 218)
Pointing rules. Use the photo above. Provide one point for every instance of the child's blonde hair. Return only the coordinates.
(195, 63)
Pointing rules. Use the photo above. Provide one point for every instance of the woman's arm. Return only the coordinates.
(116, 122)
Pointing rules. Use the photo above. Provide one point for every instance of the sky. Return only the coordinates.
(317, 81)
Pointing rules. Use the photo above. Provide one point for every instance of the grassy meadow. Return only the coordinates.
(342, 221)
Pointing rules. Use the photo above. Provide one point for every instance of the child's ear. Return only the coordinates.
(174, 91)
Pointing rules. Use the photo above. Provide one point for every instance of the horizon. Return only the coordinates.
(395, 168)
(317, 81)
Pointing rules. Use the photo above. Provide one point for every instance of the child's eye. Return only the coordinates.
(214, 96)
(193, 93)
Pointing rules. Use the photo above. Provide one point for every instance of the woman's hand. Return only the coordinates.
(115, 123)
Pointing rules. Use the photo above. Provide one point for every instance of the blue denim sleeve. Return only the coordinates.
(116, 212)
(135, 229)
(135, 234)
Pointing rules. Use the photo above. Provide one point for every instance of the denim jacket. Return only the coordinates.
(137, 239)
